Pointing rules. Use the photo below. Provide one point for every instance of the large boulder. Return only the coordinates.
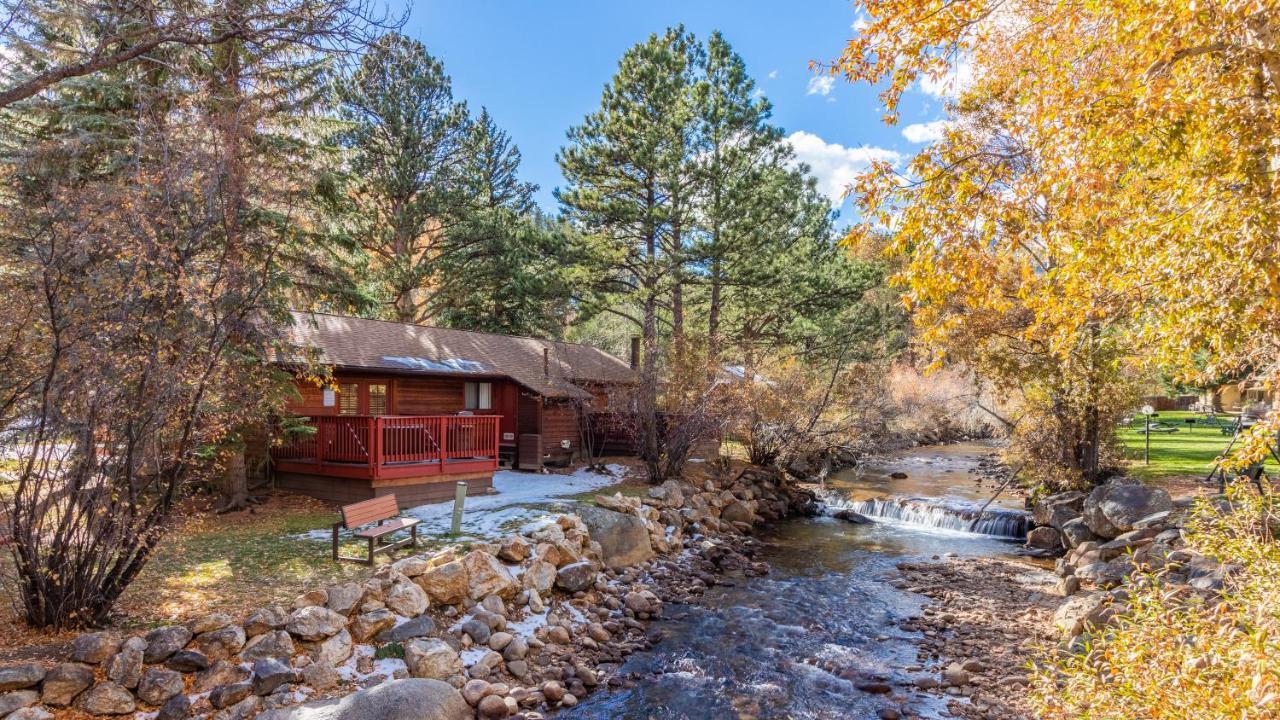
(488, 576)
(107, 698)
(446, 583)
(93, 648)
(125, 667)
(332, 651)
(1044, 537)
(540, 576)
(1114, 507)
(163, 642)
(278, 644)
(158, 685)
(1076, 531)
(408, 699)
(624, 539)
(431, 658)
(1056, 510)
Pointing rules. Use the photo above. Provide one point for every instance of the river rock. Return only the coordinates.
(738, 512)
(408, 699)
(955, 675)
(513, 549)
(417, 627)
(540, 576)
(188, 661)
(277, 644)
(1044, 538)
(177, 707)
(228, 695)
(850, 516)
(321, 677)
(492, 707)
(344, 598)
(431, 658)
(367, 625)
(1056, 510)
(315, 623)
(208, 623)
(1076, 531)
(332, 651)
(16, 700)
(576, 576)
(1081, 612)
(93, 648)
(488, 576)
(219, 673)
(20, 677)
(264, 620)
(1113, 507)
(407, 599)
(624, 539)
(64, 682)
(163, 642)
(125, 667)
(477, 630)
(30, 713)
(445, 584)
(269, 674)
(158, 685)
(222, 643)
(106, 698)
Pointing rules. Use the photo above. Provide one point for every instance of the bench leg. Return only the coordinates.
(372, 542)
(413, 534)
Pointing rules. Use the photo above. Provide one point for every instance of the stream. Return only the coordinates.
(756, 647)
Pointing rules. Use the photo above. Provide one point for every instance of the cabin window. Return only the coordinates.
(348, 399)
(377, 399)
(478, 396)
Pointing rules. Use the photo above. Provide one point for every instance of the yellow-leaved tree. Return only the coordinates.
(1105, 194)
(1105, 191)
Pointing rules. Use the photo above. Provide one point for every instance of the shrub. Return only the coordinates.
(1174, 655)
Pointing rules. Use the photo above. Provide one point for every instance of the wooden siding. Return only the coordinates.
(428, 396)
(559, 423)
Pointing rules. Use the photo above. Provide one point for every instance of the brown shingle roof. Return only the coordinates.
(356, 343)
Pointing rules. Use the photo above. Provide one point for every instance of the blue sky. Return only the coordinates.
(539, 66)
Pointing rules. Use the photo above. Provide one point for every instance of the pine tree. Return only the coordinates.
(627, 171)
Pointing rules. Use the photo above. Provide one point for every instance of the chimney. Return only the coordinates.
(546, 363)
(635, 352)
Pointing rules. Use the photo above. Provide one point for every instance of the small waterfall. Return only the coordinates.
(937, 513)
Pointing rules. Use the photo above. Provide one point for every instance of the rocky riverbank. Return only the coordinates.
(985, 622)
(517, 627)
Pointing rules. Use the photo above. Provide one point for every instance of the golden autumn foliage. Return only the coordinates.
(1106, 184)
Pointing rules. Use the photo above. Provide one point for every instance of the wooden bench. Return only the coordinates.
(382, 510)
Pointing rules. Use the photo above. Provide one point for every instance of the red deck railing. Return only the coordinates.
(393, 445)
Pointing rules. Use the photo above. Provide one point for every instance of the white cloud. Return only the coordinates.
(860, 24)
(958, 77)
(834, 165)
(773, 74)
(926, 132)
(757, 93)
(821, 85)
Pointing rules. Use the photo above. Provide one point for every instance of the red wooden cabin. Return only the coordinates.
(414, 409)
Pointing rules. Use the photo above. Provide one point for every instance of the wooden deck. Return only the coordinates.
(391, 447)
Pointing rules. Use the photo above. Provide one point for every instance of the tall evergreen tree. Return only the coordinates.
(626, 169)
(407, 140)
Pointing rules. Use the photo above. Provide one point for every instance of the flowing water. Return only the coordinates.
(756, 648)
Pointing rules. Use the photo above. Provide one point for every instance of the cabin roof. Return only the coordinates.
(357, 343)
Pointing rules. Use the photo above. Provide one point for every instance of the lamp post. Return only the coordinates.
(1147, 412)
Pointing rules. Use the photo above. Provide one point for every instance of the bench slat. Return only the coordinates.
(367, 511)
(387, 528)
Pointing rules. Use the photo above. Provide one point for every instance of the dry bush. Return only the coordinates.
(1175, 655)
(942, 405)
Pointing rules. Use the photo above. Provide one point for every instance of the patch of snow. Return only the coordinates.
(471, 656)
(521, 497)
(447, 365)
(528, 626)
(575, 614)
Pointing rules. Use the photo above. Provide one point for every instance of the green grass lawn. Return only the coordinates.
(1190, 452)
